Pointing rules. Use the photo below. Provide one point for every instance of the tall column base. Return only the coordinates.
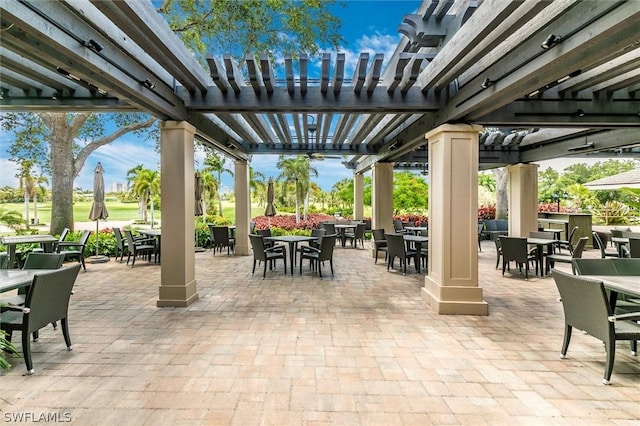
(179, 296)
(454, 300)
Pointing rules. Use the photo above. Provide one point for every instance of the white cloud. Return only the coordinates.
(8, 174)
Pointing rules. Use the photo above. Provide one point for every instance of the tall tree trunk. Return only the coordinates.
(27, 200)
(35, 209)
(297, 204)
(62, 175)
(220, 195)
(502, 201)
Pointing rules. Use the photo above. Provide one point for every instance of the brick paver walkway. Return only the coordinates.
(361, 348)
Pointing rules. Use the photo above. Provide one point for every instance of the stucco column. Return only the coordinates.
(523, 199)
(358, 196)
(382, 198)
(178, 286)
(451, 287)
(243, 207)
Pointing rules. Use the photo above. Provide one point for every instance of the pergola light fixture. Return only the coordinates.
(148, 84)
(586, 145)
(551, 41)
(487, 83)
(580, 113)
(93, 45)
(56, 95)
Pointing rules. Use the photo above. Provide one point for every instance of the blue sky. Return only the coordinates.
(368, 26)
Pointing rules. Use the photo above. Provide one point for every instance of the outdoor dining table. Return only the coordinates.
(341, 228)
(540, 243)
(620, 243)
(417, 240)
(46, 241)
(416, 229)
(157, 234)
(627, 284)
(11, 279)
(293, 241)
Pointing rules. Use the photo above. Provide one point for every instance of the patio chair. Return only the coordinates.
(221, 239)
(137, 247)
(498, 251)
(398, 227)
(121, 244)
(594, 267)
(61, 238)
(587, 308)
(317, 256)
(379, 242)
(601, 240)
(634, 247)
(551, 259)
(480, 230)
(47, 302)
(266, 254)
(74, 250)
(356, 235)
(516, 249)
(397, 248)
(4, 260)
(318, 233)
(34, 261)
(568, 243)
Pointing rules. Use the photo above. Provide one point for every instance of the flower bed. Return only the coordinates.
(288, 222)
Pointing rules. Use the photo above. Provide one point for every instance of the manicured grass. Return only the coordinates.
(117, 211)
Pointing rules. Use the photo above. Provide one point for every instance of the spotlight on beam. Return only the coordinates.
(551, 41)
(486, 83)
(93, 45)
(148, 84)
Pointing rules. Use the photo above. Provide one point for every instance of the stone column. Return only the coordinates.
(178, 286)
(243, 207)
(358, 196)
(523, 199)
(382, 196)
(451, 287)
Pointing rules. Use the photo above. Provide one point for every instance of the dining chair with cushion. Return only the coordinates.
(587, 308)
(47, 302)
(266, 254)
(135, 248)
(397, 248)
(356, 235)
(601, 240)
(516, 249)
(74, 250)
(221, 239)
(317, 256)
(551, 259)
(379, 242)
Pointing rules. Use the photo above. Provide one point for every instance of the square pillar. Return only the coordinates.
(243, 207)
(451, 287)
(358, 196)
(523, 199)
(178, 286)
(382, 196)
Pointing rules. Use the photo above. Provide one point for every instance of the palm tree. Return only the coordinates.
(132, 175)
(38, 189)
(297, 170)
(145, 186)
(258, 186)
(215, 163)
(27, 185)
(209, 189)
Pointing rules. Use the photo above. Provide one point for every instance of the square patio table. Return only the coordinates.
(11, 279)
(342, 228)
(540, 243)
(417, 240)
(46, 241)
(293, 241)
(627, 284)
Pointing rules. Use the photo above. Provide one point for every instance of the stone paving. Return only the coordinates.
(361, 348)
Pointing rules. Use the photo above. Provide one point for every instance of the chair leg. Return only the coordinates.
(611, 355)
(26, 351)
(566, 340)
(253, 271)
(331, 265)
(264, 272)
(65, 332)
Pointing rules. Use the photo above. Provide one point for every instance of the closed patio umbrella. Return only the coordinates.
(98, 208)
(270, 211)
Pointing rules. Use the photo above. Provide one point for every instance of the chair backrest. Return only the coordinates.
(585, 304)
(43, 261)
(326, 247)
(359, 232)
(252, 227)
(84, 237)
(118, 234)
(571, 234)
(264, 232)
(514, 248)
(616, 233)
(599, 243)
(480, 227)
(257, 243)
(634, 247)
(63, 235)
(630, 234)
(130, 244)
(220, 235)
(397, 225)
(502, 225)
(378, 234)
(329, 227)
(626, 266)
(542, 234)
(48, 297)
(594, 267)
(579, 248)
(395, 246)
(4, 260)
(318, 232)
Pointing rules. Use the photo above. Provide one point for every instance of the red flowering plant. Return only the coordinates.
(288, 222)
(419, 220)
(486, 212)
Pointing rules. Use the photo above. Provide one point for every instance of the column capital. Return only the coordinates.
(457, 128)
(177, 125)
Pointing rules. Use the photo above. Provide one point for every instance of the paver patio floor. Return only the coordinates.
(361, 348)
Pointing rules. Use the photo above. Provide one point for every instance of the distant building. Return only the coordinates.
(118, 187)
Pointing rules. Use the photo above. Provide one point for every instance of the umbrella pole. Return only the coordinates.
(98, 258)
